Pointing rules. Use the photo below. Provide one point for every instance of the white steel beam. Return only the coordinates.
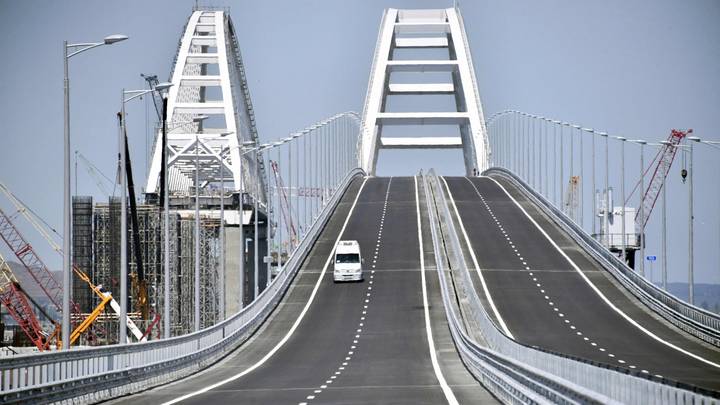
(424, 42)
(422, 65)
(422, 118)
(200, 80)
(200, 58)
(421, 88)
(436, 142)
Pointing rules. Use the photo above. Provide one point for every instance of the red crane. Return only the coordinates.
(660, 167)
(15, 300)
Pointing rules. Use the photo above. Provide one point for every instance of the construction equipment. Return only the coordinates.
(139, 282)
(660, 167)
(152, 81)
(284, 205)
(42, 271)
(16, 302)
(95, 173)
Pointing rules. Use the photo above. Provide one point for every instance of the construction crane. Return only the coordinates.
(152, 81)
(102, 295)
(139, 281)
(94, 172)
(16, 301)
(660, 167)
(284, 205)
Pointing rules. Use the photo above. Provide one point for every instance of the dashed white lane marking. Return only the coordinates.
(535, 277)
(294, 326)
(597, 290)
(449, 395)
(477, 266)
(361, 324)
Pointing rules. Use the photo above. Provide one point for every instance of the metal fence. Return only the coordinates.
(520, 374)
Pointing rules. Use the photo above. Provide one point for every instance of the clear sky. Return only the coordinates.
(633, 68)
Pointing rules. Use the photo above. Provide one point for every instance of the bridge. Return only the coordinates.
(495, 286)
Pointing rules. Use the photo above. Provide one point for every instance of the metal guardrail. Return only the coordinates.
(516, 373)
(696, 321)
(101, 373)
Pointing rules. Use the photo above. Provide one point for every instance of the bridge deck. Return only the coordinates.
(388, 358)
(545, 302)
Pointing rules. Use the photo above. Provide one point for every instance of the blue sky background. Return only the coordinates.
(632, 68)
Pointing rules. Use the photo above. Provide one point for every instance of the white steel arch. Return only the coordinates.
(424, 29)
(209, 114)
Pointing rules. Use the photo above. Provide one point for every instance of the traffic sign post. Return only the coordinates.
(651, 259)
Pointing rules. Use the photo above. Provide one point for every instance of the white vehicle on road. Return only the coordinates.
(348, 261)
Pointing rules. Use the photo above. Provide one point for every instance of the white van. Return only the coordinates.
(348, 261)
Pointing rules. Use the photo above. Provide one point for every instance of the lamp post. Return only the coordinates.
(622, 192)
(642, 144)
(131, 95)
(70, 50)
(691, 219)
(607, 190)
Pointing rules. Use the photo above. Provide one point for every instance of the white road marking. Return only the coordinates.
(449, 395)
(597, 290)
(292, 328)
(477, 266)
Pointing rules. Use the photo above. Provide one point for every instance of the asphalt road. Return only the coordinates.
(545, 302)
(357, 343)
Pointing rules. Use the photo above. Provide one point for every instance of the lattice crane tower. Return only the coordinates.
(209, 114)
(423, 29)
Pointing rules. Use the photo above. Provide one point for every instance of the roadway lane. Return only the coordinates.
(358, 342)
(545, 302)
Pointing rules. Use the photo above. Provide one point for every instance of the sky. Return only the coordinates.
(632, 68)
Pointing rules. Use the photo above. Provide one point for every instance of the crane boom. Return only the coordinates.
(12, 296)
(660, 167)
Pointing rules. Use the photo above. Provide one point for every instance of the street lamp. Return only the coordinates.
(133, 94)
(622, 192)
(70, 50)
(691, 219)
(642, 144)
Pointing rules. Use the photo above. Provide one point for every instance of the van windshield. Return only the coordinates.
(347, 258)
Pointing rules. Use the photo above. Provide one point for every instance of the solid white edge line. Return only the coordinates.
(449, 395)
(294, 326)
(597, 290)
(477, 266)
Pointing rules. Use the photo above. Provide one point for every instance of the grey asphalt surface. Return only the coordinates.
(379, 356)
(546, 303)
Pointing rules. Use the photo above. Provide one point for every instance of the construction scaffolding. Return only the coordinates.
(82, 250)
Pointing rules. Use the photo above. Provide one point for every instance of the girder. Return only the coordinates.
(210, 115)
(417, 29)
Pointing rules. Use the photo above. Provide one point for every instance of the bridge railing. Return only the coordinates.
(93, 374)
(520, 374)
